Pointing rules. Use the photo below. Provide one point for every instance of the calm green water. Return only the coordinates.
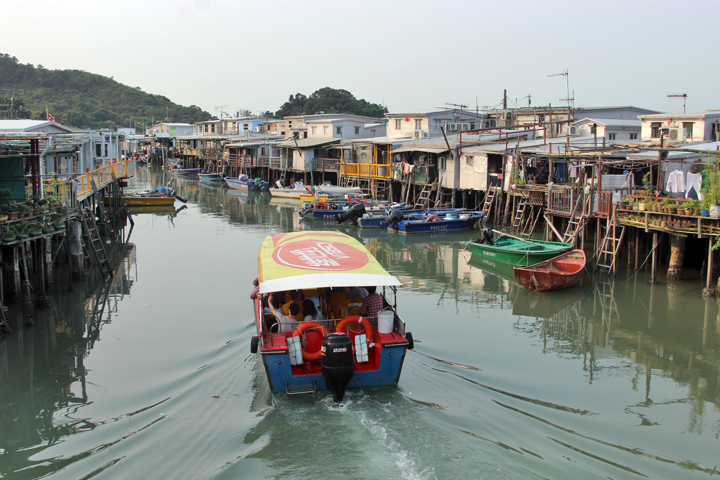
(503, 383)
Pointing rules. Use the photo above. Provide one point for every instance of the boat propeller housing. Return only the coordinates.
(336, 360)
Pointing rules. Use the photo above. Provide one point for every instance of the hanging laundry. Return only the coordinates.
(694, 186)
(676, 184)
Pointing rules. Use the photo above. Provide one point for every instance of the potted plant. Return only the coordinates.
(22, 229)
(711, 183)
(691, 206)
(8, 233)
(34, 229)
(22, 209)
(642, 206)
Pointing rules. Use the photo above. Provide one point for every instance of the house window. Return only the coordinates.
(339, 130)
(372, 132)
(398, 124)
(304, 134)
(418, 124)
(296, 134)
(325, 130)
(212, 128)
(611, 136)
(688, 127)
(441, 163)
(262, 151)
(98, 150)
(436, 127)
(655, 130)
(246, 127)
(633, 136)
(313, 130)
(363, 152)
(289, 123)
(357, 130)
(469, 160)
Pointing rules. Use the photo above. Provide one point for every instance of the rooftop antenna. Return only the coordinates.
(220, 109)
(458, 106)
(569, 99)
(678, 95)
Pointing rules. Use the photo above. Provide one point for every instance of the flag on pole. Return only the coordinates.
(50, 117)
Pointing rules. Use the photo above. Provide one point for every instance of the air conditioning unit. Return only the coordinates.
(675, 134)
(257, 129)
(465, 127)
(417, 134)
(452, 127)
(573, 130)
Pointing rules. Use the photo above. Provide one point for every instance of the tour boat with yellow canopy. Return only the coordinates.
(338, 349)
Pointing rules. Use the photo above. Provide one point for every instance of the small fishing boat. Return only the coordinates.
(176, 169)
(242, 182)
(559, 273)
(344, 350)
(397, 213)
(147, 199)
(289, 192)
(209, 177)
(435, 222)
(516, 251)
(335, 190)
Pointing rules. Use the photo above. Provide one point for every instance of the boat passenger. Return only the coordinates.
(287, 322)
(309, 311)
(372, 304)
(255, 291)
(357, 293)
(296, 299)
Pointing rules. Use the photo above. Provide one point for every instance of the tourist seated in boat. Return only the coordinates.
(293, 297)
(357, 293)
(310, 312)
(372, 304)
(287, 322)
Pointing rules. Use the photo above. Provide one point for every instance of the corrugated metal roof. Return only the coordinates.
(610, 122)
(420, 148)
(306, 142)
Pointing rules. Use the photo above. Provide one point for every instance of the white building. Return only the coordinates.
(680, 128)
(612, 130)
(430, 124)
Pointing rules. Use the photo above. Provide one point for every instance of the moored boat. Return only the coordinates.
(369, 353)
(210, 177)
(241, 183)
(517, 251)
(559, 273)
(436, 222)
(188, 172)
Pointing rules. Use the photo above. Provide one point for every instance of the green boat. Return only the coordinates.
(515, 251)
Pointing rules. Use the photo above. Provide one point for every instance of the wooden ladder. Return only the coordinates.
(605, 295)
(576, 223)
(423, 199)
(520, 214)
(529, 227)
(489, 199)
(607, 254)
(95, 241)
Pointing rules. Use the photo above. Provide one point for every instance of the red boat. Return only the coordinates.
(558, 273)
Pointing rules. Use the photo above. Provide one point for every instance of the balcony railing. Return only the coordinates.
(102, 176)
(562, 199)
(368, 170)
(326, 164)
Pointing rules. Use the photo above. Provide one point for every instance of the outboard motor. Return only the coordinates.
(487, 235)
(336, 359)
(356, 211)
(394, 217)
(280, 184)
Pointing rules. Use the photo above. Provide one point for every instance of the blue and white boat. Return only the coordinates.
(436, 222)
(244, 183)
(211, 178)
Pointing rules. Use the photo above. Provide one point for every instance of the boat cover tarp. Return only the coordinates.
(300, 260)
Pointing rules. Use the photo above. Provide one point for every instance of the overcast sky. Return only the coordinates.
(409, 55)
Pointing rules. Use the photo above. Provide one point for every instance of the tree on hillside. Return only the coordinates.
(329, 100)
(85, 100)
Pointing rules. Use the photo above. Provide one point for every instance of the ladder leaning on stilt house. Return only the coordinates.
(489, 201)
(606, 256)
(577, 221)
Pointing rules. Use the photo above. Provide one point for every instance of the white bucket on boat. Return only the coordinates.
(386, 321)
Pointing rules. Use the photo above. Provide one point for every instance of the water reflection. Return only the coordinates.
(42, 368)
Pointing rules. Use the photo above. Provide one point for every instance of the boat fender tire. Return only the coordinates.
(254, 342)
(321, 206)
(432, 218)
(310, 356)
(411, 342)
(369, 332)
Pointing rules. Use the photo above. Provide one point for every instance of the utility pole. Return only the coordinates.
(569, 99)
(684, 97)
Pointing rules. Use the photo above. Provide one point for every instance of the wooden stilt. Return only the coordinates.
(653, 273)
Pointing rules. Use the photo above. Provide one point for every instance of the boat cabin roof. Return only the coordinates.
(302, 260)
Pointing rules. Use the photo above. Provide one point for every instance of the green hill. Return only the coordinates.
(329, 100)
(86, 100)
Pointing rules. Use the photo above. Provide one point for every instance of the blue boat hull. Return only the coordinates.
(417, 225)
(279, 373)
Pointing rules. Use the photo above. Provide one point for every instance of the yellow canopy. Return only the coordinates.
(301, 260)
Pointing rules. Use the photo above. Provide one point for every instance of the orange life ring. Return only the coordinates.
(432, 218)
(356, 319)
(307, 326)
(321, 206)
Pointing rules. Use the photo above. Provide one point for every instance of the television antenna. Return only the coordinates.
(219, 108)
(678, 95)
(569, 99)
